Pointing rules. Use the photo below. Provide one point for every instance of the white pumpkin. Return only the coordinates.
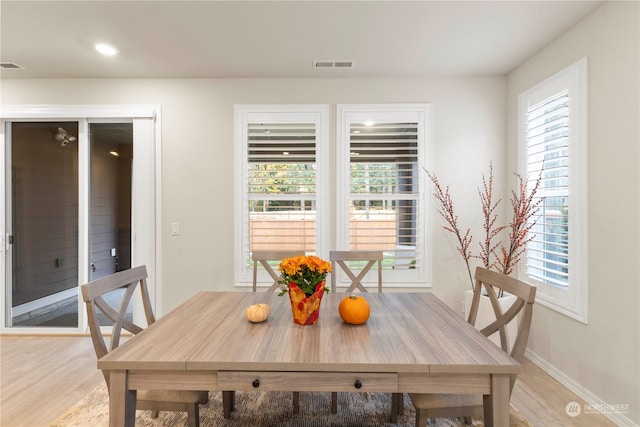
(257, 313)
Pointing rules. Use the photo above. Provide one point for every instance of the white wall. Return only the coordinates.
(197, 139)
(602, 358)
(474, 123)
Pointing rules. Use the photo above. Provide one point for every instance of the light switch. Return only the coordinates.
(175, 228)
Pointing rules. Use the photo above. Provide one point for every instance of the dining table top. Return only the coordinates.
(405, 333)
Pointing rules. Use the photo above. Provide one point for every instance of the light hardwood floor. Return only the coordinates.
(41, 377)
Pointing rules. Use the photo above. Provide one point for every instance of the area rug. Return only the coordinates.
(270, 409)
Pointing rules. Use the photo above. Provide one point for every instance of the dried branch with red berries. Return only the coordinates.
(493, 252)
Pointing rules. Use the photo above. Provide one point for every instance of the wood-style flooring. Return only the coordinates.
(42, 376)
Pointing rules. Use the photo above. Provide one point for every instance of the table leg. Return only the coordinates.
(122, 401)
(496, 405)
(228, 401)
(395, 408)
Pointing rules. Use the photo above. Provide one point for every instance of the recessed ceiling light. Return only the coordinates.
(106, 49)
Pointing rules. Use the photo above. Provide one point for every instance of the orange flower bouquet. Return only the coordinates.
(305, 279)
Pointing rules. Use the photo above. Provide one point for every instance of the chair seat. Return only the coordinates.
(440, 401)
(467, 406)
(175, 396)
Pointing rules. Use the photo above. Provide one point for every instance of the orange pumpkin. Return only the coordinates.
(354, 310)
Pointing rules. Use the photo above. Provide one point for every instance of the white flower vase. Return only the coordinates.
(486, 316)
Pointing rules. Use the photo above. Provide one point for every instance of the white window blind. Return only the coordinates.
(548, 154)
(384, 190)
(552, 146)
(281, 186)
(381, 156)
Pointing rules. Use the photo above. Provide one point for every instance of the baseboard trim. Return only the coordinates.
(591, 399)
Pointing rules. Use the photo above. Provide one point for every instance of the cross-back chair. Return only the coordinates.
(93, 294)
(491, 283)
(263, 258)
(342, 258)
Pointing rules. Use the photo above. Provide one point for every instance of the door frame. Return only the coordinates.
(146, 194)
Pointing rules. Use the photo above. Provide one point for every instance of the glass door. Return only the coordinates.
(111, 161)
(44, 214)
(75, 192)
(43, 237)
(111, 146)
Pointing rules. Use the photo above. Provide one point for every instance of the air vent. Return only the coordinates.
(333, 64)
(10, 66)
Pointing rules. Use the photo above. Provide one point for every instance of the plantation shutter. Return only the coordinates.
(282, 186)
(384, 190)
(548, 154)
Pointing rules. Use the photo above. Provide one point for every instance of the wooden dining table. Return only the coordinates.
(412, 342)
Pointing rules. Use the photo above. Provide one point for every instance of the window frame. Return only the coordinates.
(353, 113)
(571, 301)
(277, 113)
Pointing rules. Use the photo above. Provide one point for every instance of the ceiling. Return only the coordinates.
(54, 39)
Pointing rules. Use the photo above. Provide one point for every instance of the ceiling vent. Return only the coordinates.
(333, 64)
(10, 66)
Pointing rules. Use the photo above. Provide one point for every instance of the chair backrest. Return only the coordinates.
(93, 295)
(263, 257)
(341, 258)
(520, 311)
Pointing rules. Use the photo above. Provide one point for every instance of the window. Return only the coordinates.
(380, 181)
(552, 145)
(284, 201)
(281, 151)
